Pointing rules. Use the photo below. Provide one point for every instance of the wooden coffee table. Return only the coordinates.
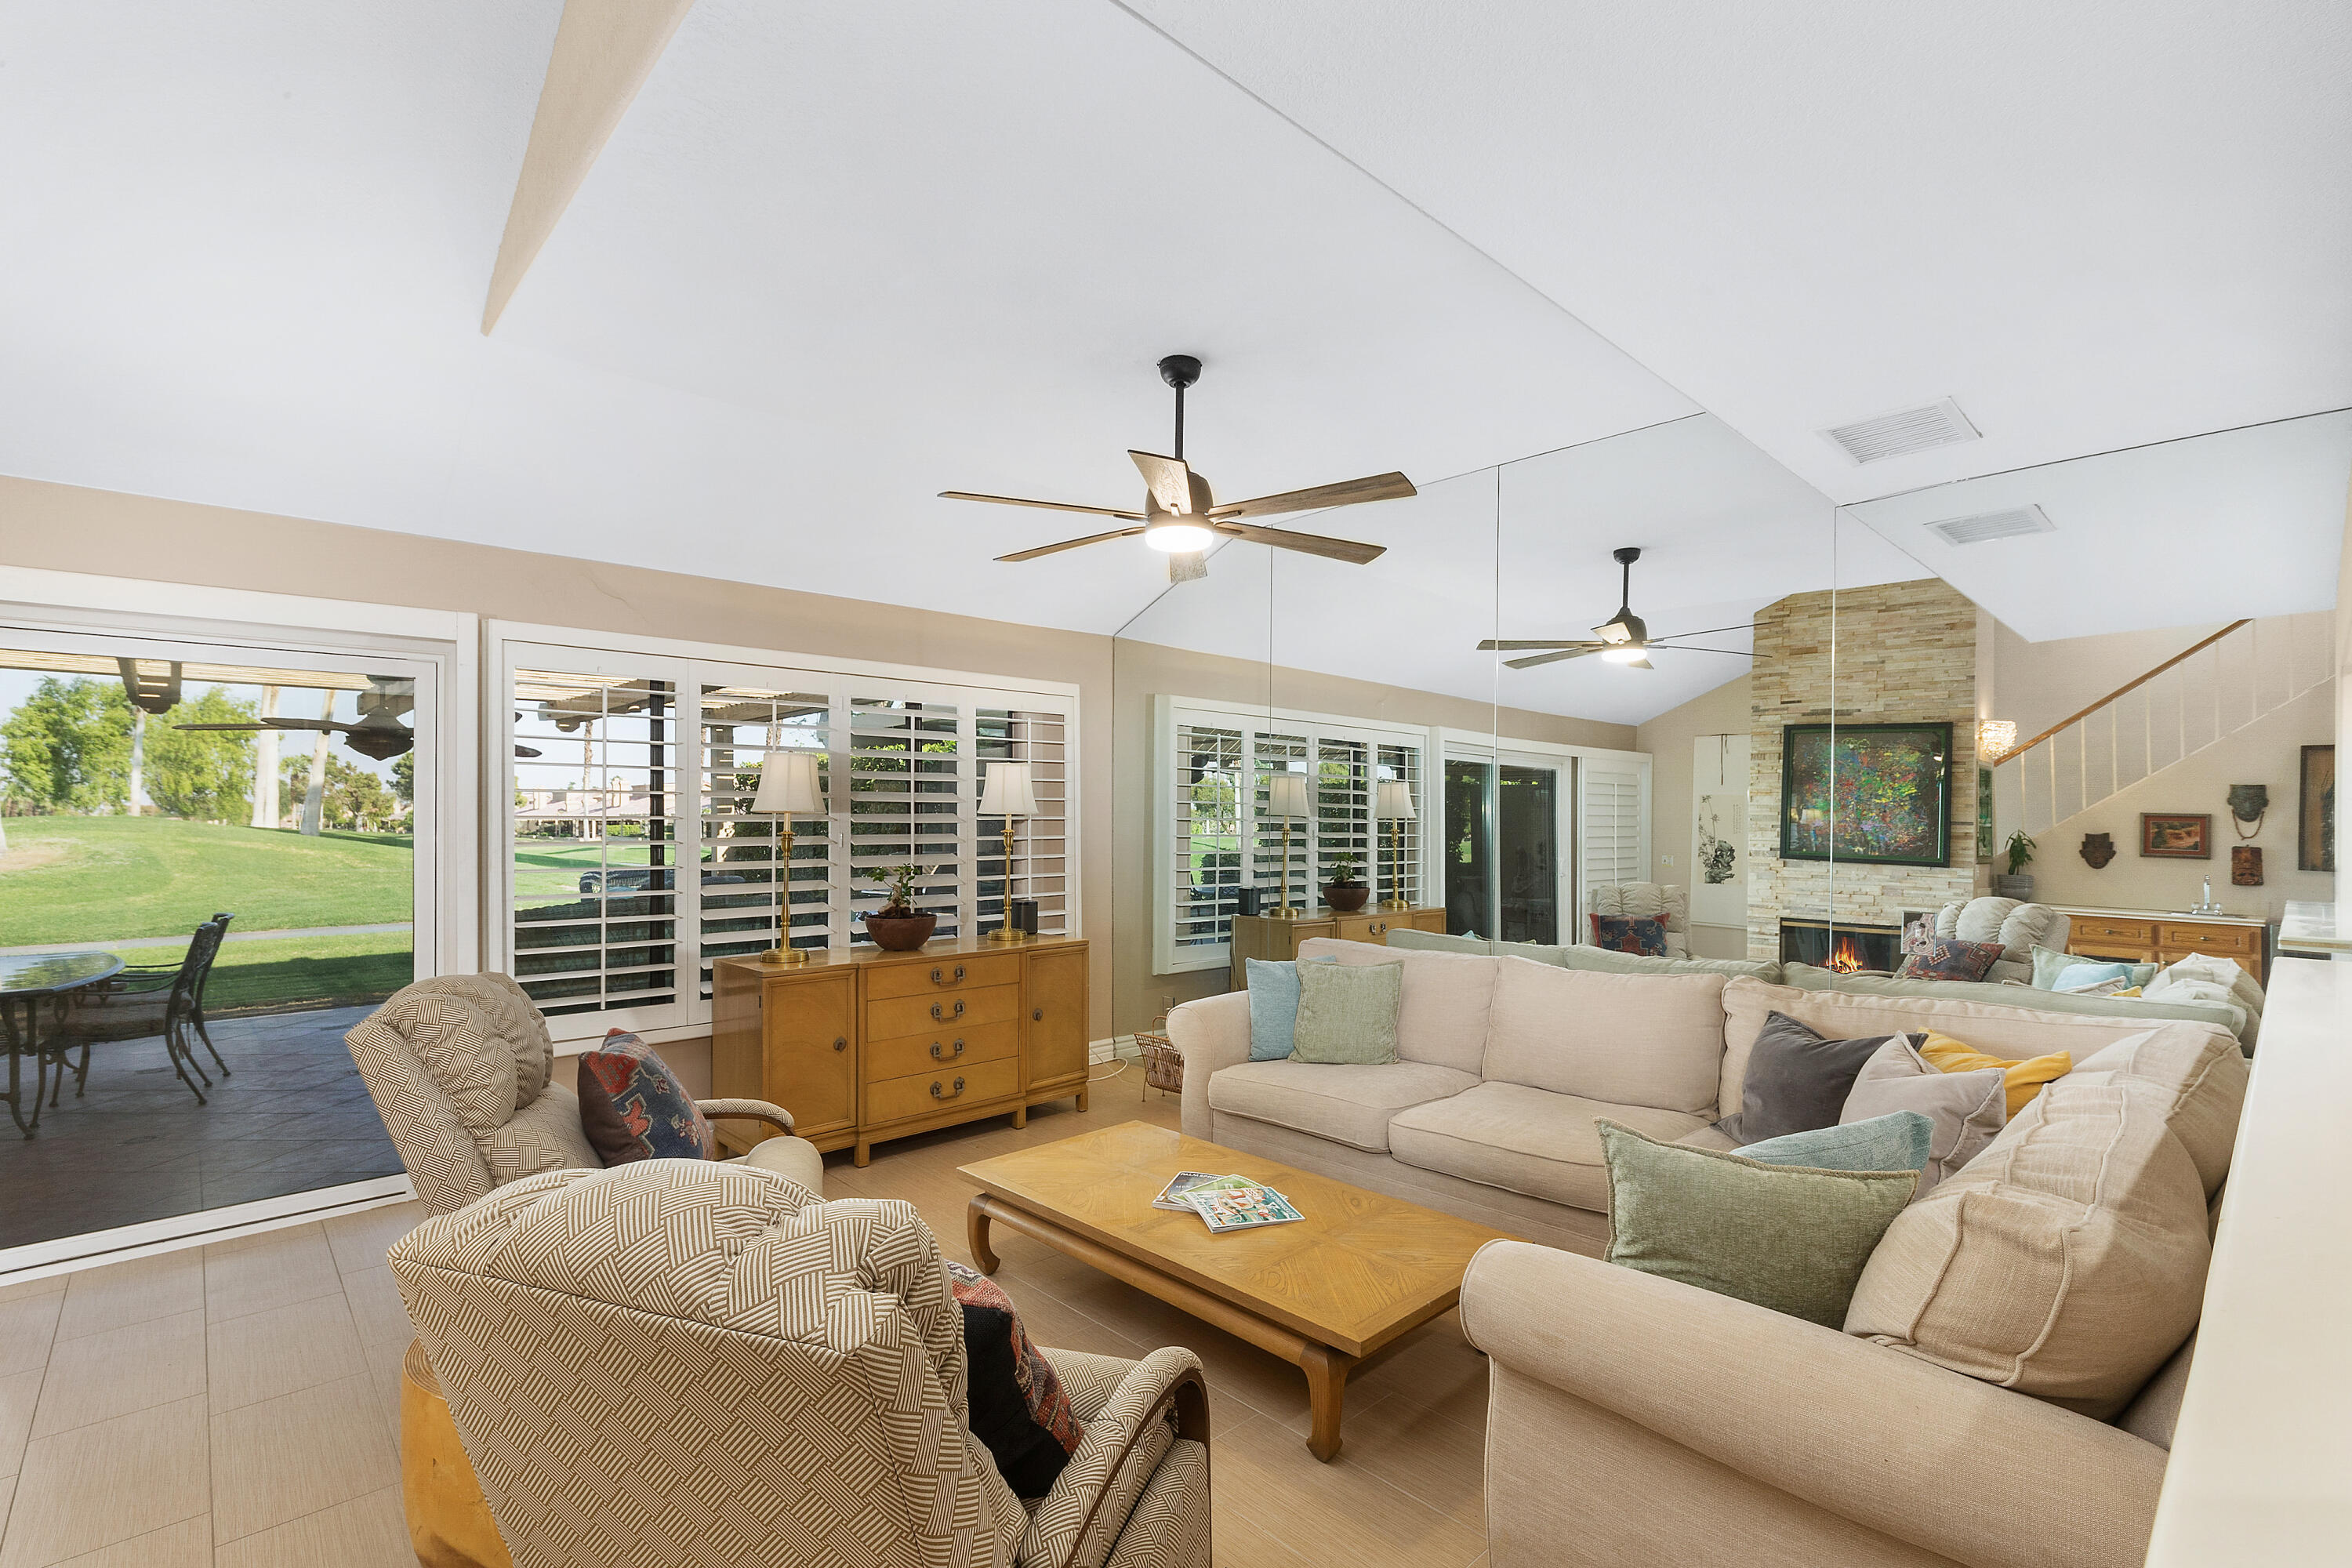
(1329, 1293)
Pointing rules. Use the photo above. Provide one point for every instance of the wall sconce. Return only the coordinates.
(1994, 738)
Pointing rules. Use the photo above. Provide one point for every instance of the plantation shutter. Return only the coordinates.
(1206, 852)
(1609, 848)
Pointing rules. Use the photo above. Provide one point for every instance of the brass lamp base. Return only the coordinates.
(1394, 906)
(1283, 912)
(786, 955)
(1006, 934)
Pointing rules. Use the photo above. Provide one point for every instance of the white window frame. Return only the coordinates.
(513, 644)
(1169, 711)
(1469, 745)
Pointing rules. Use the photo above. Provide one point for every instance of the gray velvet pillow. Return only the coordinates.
(1796, 1081)
(1348, 1013)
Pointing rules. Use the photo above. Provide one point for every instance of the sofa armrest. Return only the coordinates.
(1212, 1034)
(1853, 1427)
(1081, 1515)
(775, 1116)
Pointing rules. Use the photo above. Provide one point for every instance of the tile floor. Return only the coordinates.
(135, 1145)
(238, 1405)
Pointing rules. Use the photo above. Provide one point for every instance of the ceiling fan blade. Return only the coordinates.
(1742, 627)
(1639, 664)
(1346, 549)
(1170, 479)
(526, 752)
(257, 724)
(1347, 492)
(1494, 644)
(1047, 505)
(1188, 565)
(1686, 648)
(1071, 543)
(1533, 660)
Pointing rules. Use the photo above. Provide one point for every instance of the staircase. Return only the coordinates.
(2199, 698)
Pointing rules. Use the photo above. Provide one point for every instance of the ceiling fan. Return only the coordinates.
(378, 734)
(1180, 516)
(1624, 637)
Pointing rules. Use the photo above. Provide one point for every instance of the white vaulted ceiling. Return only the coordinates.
(839, 256)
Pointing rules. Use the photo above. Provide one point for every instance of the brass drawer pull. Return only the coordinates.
(940, 977)
(1380, 927)
(841, 1043)
(950, 1095)
(940, 1017)
(951, 1055)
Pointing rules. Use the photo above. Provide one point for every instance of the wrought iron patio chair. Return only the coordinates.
(137, 1003)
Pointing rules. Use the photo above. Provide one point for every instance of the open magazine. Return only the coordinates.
(1226, 1203)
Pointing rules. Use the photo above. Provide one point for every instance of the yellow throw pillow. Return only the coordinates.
(2023, 1079)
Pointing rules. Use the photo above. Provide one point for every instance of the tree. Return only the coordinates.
(67, 746)
(351, 800)
(403, 777)
(205, 776)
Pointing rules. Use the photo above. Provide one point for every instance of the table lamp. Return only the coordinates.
(1392, 802)
(1285, 797)
(788, 788)
(1010, 793)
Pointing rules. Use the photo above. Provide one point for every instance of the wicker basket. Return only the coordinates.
(1164, 1065)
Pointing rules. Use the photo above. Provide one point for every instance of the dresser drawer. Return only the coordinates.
(928, 1053)
(896, 1100)
(2232, 939)
(968, 971)
(2093, 928)
(1371, 928)
(898, 1016)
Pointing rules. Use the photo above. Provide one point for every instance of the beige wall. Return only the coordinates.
(2037, 684)
(1145, 671)
(1668, 739)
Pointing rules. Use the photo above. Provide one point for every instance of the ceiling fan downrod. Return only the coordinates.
(1180, 370)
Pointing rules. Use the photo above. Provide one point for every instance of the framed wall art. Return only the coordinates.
(2176, 838)
(1873, 794)
(2315, 818)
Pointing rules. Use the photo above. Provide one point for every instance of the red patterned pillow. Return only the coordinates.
(633, 1107)
(1646, 936)
(1016, 1401)
(1948, 958)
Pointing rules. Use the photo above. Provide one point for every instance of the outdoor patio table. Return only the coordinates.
(30, 985)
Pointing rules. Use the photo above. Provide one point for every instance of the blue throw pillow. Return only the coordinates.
(1898, 1141)
(1274, 1007)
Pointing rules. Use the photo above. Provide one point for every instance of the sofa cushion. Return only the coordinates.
(1347, 1014)
(1350, 1105)
(1965, 1111)
(1442, 1017)
(2066, 1261)
(1666, 902)
(1611, 962)
(545, 1135)
(2205, 1075)
(2014, 1030)
(1525, 1140)
(1624, 1039)
(2134, 1012)
(1796, 1081)
(1442, 941)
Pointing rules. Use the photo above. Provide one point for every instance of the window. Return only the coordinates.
(1511, 823)
(630, 767)
(1219, 833)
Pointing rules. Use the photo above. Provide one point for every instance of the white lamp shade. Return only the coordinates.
(1394, 802)
(1285, 794)
(788, 785)
(1008, 791)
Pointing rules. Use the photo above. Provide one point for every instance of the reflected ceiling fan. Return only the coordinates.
(1181, 517)
(1624, 637)
(378, 733)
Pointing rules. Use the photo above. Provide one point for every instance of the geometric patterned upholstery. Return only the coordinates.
(675, 1362)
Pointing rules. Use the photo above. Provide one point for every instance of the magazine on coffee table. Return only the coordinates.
(1171, 1196)
(1247, 1207)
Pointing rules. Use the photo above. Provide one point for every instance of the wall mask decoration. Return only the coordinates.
(2098, 848)
(2245, 865)
(2249, 803)
(2176, 836)
(2315, 835)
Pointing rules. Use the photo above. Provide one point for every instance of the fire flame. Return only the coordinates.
(1845, 955)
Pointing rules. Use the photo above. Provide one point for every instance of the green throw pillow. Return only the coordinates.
(1791, 1237)
(2048, 966)
(1348, 1013)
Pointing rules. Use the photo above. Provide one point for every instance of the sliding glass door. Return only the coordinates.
(1504, 852)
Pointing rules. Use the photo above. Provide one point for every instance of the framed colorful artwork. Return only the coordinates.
(2314, 833)
(2171, 837)
(1873, 793)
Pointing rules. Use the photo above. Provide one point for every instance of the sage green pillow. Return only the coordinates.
(2048, 966)
(1348, 1013)
(1790, 1238)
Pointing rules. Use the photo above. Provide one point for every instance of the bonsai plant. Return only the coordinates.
(2016, 885)
(1347, 890)
(898, 926)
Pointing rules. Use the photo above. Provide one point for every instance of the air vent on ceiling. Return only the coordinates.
(1904, 431)
(2009, 523)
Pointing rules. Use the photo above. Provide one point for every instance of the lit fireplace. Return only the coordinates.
(1847, 949)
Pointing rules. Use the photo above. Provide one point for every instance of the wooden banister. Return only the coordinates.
(2128, 686)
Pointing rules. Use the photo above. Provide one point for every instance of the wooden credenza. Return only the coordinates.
(866, 1045)
(1264, 937)
(2142, 936)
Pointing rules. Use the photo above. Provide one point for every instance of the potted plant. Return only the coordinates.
(2020, 850)
(1347, 890)
(898, 926)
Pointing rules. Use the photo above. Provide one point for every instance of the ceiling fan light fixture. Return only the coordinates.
(1178, 538)
(1628, 653)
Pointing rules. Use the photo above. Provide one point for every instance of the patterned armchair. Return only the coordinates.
(673, 1362)
(458, 1068)
(1668, 902)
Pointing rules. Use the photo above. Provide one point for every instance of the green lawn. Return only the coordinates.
(322, 969)
(107, 878)
(551, 868)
